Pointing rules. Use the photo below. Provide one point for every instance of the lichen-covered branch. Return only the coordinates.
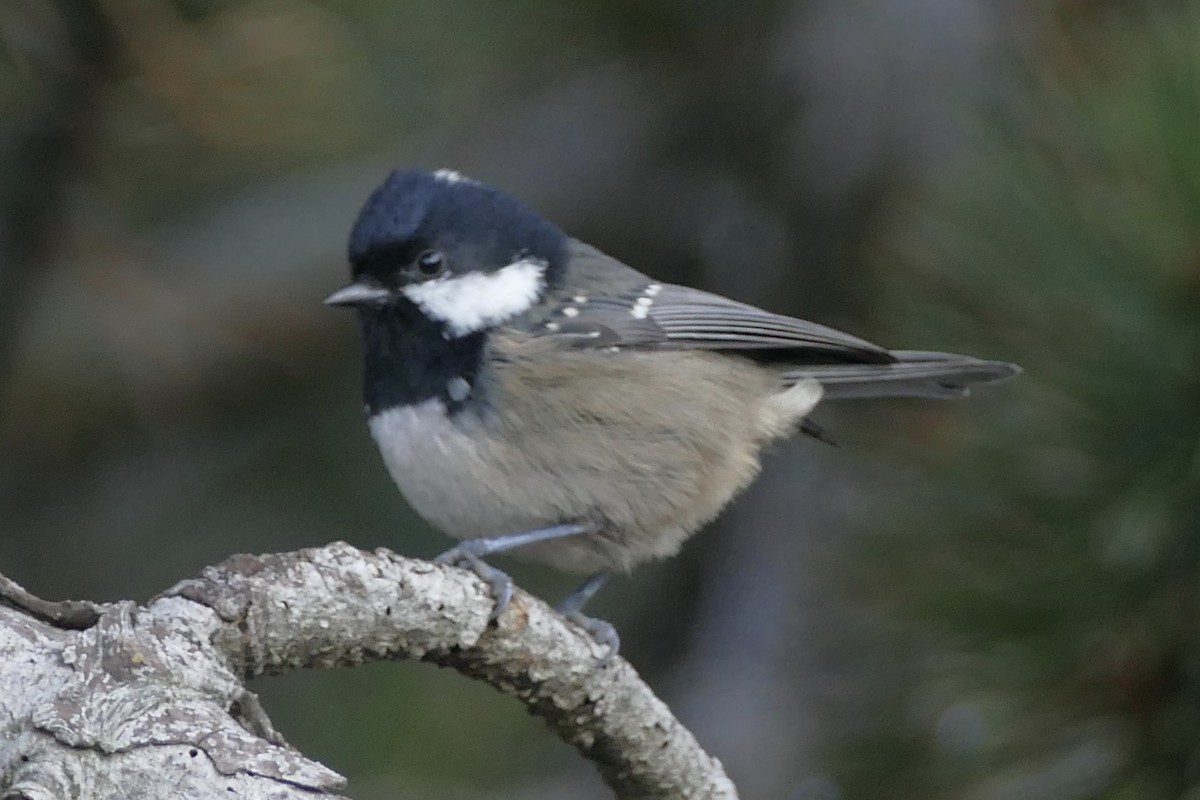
(150, 701)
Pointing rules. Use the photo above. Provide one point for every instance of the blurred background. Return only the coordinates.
(994, 599)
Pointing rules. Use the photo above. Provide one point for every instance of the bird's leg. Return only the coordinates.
(572, 605)
(469, 555)
(576, 600)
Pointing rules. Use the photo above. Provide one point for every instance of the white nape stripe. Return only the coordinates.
(452, 176)
(479, 300)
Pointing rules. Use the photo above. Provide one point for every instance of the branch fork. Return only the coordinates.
(150, 701)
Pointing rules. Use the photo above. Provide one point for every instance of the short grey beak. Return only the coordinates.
(357, 294)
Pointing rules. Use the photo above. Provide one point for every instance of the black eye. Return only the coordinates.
(430, 263)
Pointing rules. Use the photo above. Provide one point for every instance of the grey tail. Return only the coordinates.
(913, 374)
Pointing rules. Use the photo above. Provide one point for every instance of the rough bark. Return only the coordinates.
(149, 701)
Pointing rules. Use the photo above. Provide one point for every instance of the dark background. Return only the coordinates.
(991, 599)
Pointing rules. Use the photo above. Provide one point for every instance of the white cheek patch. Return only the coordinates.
(473, 302)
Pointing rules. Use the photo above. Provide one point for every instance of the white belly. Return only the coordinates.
(446, 475)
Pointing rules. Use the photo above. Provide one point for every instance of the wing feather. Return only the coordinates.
(678, 317)
(634, 311)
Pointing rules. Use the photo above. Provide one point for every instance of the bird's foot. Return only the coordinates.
(603, 632)
(463, 555)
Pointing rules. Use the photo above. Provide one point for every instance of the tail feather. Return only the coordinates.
(913, 374)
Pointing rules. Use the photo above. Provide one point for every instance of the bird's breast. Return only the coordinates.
(443, 467)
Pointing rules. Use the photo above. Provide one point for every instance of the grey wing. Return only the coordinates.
(633, 311)
(665, 316)
(691, 318)
(607, 304)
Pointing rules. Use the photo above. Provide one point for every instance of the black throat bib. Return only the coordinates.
(411, 358)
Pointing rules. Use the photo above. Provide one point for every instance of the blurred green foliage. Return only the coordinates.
(1050, 574)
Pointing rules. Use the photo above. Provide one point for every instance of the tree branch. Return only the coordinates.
(134, 701)
(69, 614)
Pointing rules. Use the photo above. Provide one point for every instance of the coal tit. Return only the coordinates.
(525, 387)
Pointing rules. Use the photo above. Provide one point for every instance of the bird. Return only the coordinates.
(529, 393)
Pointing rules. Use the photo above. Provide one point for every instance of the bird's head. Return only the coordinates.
(465, 255)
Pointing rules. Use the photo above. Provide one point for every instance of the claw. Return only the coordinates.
(571, 607)
(501, 584)
(603, 632)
